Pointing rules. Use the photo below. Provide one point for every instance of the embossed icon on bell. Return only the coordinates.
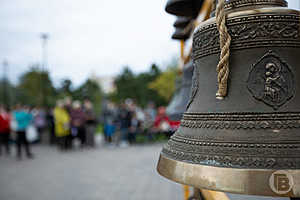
(254, 131)
(271, 80)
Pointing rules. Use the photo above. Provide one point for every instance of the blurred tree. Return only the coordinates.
(146, 94)
(35, 88)
(125, 85)
(8, 93)
(129, 85)
(65, 89)
(164, 84)
(66, 86)
(89, 90)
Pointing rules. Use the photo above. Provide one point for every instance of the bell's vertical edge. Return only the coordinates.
(180, 100)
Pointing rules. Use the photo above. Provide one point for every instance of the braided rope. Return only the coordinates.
(225, 40)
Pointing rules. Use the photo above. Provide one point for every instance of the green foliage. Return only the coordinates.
(7, 93)
(36, 88)
(164, 84)
(129, 85)
(65, 88)
(141, 138)
(89, 90)
(157, 137)
(99, 129)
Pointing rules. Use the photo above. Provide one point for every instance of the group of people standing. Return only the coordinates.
(72, 120)
(22, 119)
(61, 125)
(124, 122)
(69, 121)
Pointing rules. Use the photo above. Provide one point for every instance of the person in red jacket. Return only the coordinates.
(4, 130)
(162, 122)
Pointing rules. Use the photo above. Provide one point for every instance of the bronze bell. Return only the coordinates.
(171, 108)
(190, 8)
(182, 33)
(183, 28)
(249, 142)
(180, 100)
(182, 22)
(237, 5)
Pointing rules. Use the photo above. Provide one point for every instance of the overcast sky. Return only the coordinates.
(90, 36)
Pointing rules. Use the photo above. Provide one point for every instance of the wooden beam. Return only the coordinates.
(213, 195)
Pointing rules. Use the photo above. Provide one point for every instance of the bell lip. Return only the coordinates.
(224, 179)
(268, 10)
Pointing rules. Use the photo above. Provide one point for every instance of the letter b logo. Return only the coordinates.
(281, 182)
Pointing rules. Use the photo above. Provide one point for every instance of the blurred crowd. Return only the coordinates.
(124, 122)
(24, 125)
(72, 123)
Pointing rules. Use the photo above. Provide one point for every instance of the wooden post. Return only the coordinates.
(186, 190)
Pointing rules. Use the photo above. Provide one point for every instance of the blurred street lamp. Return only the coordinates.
(44, 38)
(5, 94)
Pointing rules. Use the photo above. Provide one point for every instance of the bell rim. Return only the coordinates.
(232, 180)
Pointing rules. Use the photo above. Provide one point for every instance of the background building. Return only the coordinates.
(106, 82)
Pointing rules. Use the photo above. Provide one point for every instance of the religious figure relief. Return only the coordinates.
(271, 81)
(275, 82)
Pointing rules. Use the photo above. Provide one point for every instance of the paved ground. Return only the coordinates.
(96, 174)
(251, 197)
(102, 173)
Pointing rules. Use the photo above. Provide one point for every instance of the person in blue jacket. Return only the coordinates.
(23, 119)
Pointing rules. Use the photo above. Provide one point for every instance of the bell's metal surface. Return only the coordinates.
(240, 5)
(180, 100)
(249, 142)
(175, 99)
(235, 5)
(182, 22)
(189, 8)
(182, 33)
